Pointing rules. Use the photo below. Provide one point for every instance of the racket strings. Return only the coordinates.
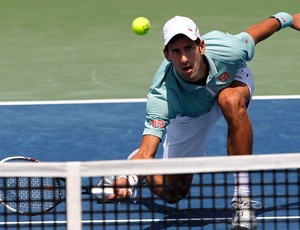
(30, 195)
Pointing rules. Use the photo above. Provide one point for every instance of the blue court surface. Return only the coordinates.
(109, 130)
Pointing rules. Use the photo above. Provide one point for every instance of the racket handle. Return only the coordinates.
(102, 191)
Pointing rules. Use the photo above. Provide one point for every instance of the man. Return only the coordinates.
(201, 79)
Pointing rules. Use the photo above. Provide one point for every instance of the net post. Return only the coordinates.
(73, 184)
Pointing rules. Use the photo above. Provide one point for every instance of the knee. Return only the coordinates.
(232, 105)
(172, 189)
(173, 195)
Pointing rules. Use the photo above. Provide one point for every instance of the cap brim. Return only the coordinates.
(173, 33)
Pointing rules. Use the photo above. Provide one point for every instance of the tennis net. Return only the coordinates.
(275, 182)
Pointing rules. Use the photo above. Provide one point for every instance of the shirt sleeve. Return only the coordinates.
(158, 108)
(247, 44)
(230, 49)
(156, 120)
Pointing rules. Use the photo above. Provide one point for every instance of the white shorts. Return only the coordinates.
(187, 136)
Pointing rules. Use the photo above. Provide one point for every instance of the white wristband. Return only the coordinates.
(133, 180)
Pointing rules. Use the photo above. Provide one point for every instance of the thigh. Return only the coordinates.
(187, 136)
(239, 93)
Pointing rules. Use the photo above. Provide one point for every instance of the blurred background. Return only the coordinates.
(78, 49)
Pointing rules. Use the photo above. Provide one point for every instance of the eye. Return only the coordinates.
(188, 48)
(175, 51)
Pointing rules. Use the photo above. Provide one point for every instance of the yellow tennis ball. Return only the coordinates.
(141, 25)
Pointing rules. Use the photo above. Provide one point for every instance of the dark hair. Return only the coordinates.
(179, 36)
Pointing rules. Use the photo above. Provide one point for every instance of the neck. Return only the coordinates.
(204, 72)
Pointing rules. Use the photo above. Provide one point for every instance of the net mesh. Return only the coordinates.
(274, 183)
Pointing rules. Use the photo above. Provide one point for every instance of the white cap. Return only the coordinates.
(180, 25)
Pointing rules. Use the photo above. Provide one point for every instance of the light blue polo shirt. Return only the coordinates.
(170, 96)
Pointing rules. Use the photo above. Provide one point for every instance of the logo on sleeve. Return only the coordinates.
(158, 124)
(223, 77)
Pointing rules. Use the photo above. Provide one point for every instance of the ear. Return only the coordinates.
(166, 53)
(202, 47)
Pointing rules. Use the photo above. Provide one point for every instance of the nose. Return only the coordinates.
(184, 58)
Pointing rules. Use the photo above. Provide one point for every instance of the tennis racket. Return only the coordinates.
(37, 195)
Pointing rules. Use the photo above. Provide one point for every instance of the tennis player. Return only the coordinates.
(201, 79)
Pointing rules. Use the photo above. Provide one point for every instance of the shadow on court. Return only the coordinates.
(200, 217)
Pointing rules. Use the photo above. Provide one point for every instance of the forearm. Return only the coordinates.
(266, 28)
(148, 147)
(263, 30)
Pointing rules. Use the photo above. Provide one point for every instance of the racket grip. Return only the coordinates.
(102, 191)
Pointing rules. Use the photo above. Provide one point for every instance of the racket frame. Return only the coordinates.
(56, 181)
(101, 192)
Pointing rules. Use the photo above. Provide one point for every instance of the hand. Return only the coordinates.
(122, 192)
(296, 24)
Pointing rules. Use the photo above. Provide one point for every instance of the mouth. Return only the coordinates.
(187, 68)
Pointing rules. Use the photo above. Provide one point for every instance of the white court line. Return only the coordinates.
(149, 221)
(129, 100)
(62, 102)
(274, 97)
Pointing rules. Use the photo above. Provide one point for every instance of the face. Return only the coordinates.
(187, 58)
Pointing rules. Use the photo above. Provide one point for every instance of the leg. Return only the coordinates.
(176, 186)
(233, 102)
(170, 188)
(186, 137)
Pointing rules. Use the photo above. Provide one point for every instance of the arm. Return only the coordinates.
(147, 150)
(266, 28)
(148, 147)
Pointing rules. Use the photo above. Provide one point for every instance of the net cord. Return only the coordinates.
(74, 171)
(156, 166)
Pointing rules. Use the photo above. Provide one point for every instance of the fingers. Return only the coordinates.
(124, 192)
(120, 193)
(120, 190)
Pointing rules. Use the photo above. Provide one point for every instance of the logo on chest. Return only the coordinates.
(223, 77)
